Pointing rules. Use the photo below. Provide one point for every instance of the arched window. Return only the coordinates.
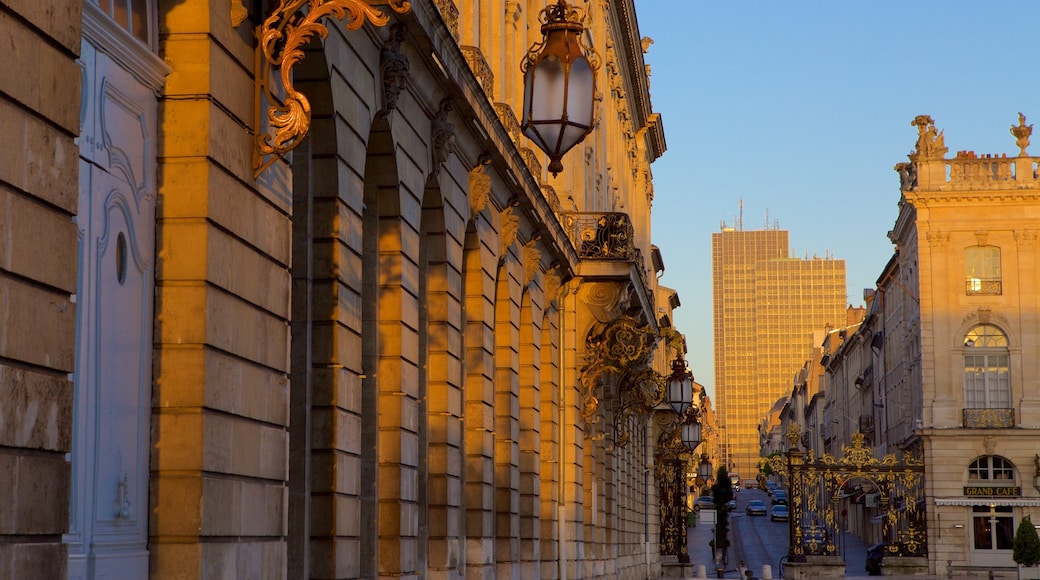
(987, 381)
(991, 468)
(982, 270)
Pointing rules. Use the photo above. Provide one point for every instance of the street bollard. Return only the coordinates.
(702, 571)
(767, 572)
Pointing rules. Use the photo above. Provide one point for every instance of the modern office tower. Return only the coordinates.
(766, 306)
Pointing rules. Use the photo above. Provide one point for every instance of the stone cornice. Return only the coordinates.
(629, 48)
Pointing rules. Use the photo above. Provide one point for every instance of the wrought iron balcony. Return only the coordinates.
(605, 241)
(989, 418)
(975, 286)
(601, 236)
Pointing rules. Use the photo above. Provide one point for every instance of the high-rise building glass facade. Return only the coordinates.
(766, 306)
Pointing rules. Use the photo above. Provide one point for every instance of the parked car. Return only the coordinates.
(779, 496)
(755, 507)
(731, 505)
(874, 555)
(779, 513)
(704, 502)
(771, 487)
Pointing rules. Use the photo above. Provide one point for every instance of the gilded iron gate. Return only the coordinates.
(818, 486)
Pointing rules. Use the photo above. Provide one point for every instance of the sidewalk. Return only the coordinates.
(854, 551)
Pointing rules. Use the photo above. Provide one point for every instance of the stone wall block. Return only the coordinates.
(34, 560)
(35, 410)
(41, 160)
(36, 75)
(51, 318)
(24, 252)
(41, 494)
(178, 440)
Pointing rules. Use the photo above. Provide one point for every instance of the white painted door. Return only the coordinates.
(108, 536)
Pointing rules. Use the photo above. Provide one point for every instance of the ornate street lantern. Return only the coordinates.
(559, 84)
(705, 469)
(690, 433)
(679, 390)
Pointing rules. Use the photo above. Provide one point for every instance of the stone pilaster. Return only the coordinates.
(221, 398)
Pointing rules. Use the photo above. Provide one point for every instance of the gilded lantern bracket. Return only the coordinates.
(623, 349)
(281, 38)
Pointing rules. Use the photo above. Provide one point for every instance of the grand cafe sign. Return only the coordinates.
(987, 491)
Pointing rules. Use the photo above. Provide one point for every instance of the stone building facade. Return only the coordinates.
(402, 349)
(945, 368)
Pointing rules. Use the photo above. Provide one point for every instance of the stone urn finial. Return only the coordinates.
(1022, 133)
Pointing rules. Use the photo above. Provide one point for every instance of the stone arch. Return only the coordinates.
(440, 335)
(390, 344)
(550, 437)
(478, 281)
(530, 427)
(315, 183)
(508, 292)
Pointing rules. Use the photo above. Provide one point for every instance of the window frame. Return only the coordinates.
(982, 272)
(986, 368)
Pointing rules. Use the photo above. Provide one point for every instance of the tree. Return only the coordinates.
(1026, 549)
(721, 493)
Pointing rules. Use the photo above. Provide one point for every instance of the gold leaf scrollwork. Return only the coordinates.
(282, 37)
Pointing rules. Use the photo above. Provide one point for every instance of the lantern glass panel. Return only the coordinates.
(579, 94)
(680, 393)
(691, 435)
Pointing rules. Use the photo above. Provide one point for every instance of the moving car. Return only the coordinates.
(874, 555)
(755, 507)
(779, 513)
(731, 505)
(780, 496)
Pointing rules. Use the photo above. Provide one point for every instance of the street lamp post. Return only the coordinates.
(679, 398)
(559, 84)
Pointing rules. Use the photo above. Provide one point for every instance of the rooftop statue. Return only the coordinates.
(930, 145)
(1022, 133)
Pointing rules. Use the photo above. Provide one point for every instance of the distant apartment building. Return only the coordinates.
(766, 306)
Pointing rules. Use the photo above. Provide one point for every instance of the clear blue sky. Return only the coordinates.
(802, 108)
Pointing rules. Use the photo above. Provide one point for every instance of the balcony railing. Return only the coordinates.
(450, 13)
(601, 236)
(989, 418)
(481, 68)
(976, 287)
(970, 171)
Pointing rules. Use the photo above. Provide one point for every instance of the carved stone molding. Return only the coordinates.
(982, 237)
(1026, 237)
(510, 225)
(603, 299)
(553, 282)
(479, 189)
(282, 37)
(442, 135)
(393, 68)
(239, 13)
(938, 239)
(532, 261)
